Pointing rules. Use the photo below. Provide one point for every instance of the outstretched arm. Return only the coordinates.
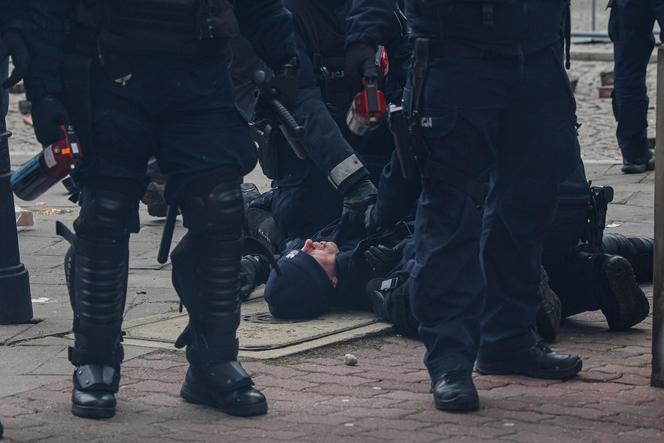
(269, 27)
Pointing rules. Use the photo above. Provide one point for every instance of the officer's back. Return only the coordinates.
(502, 26)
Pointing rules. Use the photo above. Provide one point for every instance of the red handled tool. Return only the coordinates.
(369, 106)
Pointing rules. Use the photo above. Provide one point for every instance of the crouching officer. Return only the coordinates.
(475, 278)
(160, 87)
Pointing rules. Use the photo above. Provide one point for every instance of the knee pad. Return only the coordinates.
(213, 204)
(109, 213)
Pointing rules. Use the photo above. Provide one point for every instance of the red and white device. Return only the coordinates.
(47, 168)
(369, 106)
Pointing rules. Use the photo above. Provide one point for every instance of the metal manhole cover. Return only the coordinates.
(266, 317)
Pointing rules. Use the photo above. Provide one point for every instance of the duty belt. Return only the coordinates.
(440, 49)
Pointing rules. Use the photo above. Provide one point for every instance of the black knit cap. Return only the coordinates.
(302, 291)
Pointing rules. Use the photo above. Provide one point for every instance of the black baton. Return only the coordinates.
(167, 235)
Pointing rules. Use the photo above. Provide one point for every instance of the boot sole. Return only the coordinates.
(458, 404)
(633, 306)
(201, 398)
(560, 374)
(91, 412)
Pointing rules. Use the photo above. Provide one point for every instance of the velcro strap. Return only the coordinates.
(64, 232)
(97, 378)
(229, 376)
(184, 338)
(211, 356)
(79, 357)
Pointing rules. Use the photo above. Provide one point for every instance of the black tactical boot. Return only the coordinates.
(550, 313)
(639, 165)
(390, 300)
(94, 391)
(536, 362)
(622, 301)
(206, 276)
(96, 274)
(455, 391)
(637, 250)
(225, 386)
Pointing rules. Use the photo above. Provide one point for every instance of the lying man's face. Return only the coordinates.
(325, 253)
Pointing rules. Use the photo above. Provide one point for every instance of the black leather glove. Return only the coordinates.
(12, 44)
(255, 271)
(360, 62)
(358, 198)
(382, 259)
(284, 84)
(48, 114)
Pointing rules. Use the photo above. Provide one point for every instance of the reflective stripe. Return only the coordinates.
(344, 170)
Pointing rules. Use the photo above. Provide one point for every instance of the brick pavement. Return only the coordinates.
(315, 397)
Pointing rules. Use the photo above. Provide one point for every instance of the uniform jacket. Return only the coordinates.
(513, 27)
(265, 23)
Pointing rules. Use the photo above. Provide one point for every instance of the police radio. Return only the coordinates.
(369, 107)
(47, 168)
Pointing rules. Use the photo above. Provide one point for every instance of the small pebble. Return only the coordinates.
(350, 360)
(141, 292)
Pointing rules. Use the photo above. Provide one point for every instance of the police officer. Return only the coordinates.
(325, 168)
(630, 28)
(590, 270)
(160, 87)
(475, 279)
(321, 25)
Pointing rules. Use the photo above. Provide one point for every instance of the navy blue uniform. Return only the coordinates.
(475, 276)
(630, 28)
(321, 107)
(193, 128)
(160, 87)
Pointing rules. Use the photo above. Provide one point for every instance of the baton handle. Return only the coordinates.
(167, 235)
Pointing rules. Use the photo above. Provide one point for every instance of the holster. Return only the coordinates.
(598, 204)
(268, 157)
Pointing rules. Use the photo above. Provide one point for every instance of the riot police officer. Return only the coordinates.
(630, 28)
(475, 278)
(142, 78)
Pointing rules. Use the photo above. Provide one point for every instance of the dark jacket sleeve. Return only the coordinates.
(12, 14)
(269, 27)
(45, 27)
(369, 21)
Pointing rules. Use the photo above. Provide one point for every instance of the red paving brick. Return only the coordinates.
(315, 397)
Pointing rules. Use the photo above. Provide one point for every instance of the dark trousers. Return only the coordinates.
(630, 27)
(475, 276)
